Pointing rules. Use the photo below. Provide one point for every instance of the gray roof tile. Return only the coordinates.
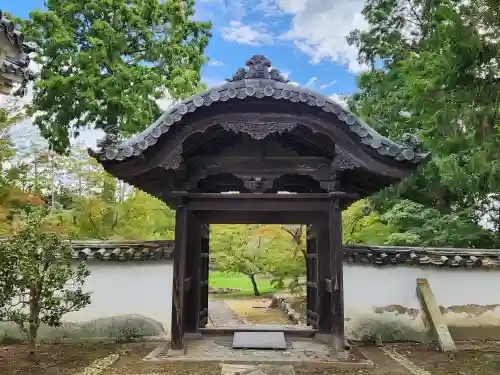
(263, 84)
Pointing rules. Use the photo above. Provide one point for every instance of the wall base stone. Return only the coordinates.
(123, 328)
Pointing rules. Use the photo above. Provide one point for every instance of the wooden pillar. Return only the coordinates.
(204, 272)
(336, 274)
(193, 269)
(177, 326)
(324, 308)
(311, 277)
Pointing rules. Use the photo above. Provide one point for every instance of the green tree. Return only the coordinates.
(361, 225)
(240, 249)
(38, 283)
(287, 243)
(416, 225)
(435, 73)
(145, 217)
(271, 251)
(9, 116)
(106, 62)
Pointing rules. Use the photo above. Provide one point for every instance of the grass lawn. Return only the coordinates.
(218, 279)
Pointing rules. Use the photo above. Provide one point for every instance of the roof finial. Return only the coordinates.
(259, 67)
(412, 142)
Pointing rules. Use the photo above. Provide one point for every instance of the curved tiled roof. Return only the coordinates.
(122, 251)
(16, 65)
(8, 28)
(441, 257)
(17, 68)
(261, 82)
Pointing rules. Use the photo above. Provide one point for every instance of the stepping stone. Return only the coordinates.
(276, 370)
(255, 372)
(237, 369)
(259, 340)
(228, 369)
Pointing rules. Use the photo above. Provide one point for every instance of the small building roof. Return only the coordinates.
(14, 67)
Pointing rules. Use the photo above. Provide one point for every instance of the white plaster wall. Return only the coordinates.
(376, 299)
(384, 300)
(143, 288)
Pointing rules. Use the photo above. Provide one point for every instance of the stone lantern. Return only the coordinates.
(14, 58)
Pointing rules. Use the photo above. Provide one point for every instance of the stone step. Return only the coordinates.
(260, 369)
(259, 340)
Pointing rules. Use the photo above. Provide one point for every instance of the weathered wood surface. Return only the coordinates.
(336, 276)
(178, 279)
(434, 317)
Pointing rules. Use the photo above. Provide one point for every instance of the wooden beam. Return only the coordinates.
(435, 318)
(204, 166)
(254, 217)
(177, 327)
(259, 205)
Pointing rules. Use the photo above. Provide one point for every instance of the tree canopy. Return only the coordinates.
(104, 63)
(434, 72)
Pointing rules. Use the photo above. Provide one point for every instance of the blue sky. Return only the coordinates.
(303, 38)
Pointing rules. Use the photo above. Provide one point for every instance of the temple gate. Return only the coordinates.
(260, 136)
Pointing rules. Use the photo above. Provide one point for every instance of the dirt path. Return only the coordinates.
(257, 311)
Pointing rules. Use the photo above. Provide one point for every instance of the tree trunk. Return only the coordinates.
(32, 332)
(34, 316)
(254, 284)
(52, 184)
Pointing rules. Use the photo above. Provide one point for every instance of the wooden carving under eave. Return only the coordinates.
(343, 161)
(259, 130)
(174, 160)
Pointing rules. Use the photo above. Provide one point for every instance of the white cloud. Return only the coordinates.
(326, 85)
(251, 34)
(340, 99)
(310, 83)
(285, 73)
(319, 29)
(269, 8)
(213, 82)
(216, 63)
(165, 102)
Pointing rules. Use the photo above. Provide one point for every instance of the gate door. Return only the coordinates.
(311, 277)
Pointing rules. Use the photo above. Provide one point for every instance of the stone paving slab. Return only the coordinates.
(221, 314)
(259, 340)
(299, 352)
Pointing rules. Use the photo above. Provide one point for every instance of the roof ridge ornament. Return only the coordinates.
(259, 67)
(111, 137)
(412, 142)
